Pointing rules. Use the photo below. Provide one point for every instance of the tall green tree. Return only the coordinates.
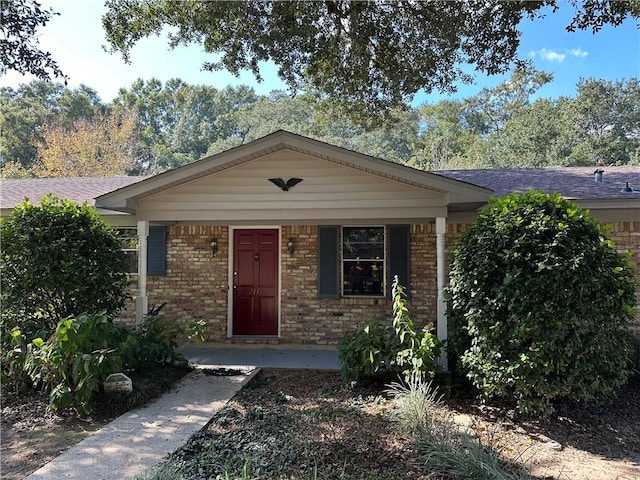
(26, 111)
(371, 56)
(203, 117)
(488, 111)
(532, 137)
(178, 122)
(446, 141)
(300, 114)
(600, 126)
(606, 122)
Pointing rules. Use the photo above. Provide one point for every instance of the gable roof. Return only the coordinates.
(456, 191)
(463, 189)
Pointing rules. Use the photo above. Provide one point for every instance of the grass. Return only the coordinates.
(271, 430)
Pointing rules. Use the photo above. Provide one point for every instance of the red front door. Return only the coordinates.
(255, 282)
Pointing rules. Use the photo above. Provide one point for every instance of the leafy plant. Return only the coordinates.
(76, 359)
(416, 350)
(540, 303)
(58, 260)
(157, 339)
(373, 349)
(365, 352)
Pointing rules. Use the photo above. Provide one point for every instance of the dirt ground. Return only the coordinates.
(578, 443)
(31, 436)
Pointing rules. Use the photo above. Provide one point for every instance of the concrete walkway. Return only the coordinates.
(140, 439)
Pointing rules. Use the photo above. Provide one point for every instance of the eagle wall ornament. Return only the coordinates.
(285, 186)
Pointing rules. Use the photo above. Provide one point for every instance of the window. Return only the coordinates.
(393, 243)
(363, 261)
(129, 240)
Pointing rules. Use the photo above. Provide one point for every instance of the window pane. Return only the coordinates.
(363, 263)
(129, 243)
(132, 261)
(363, 242)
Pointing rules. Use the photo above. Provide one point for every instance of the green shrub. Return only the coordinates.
(365, 352)
(539, 303)
(157, 339)
(76, 359)
(58, 260)
(373, 349)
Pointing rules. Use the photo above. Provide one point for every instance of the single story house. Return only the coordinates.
(291, 240)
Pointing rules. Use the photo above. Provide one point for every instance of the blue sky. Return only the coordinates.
(75, 39)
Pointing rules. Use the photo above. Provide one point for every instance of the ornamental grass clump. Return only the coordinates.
(442, 448)
(540, 304)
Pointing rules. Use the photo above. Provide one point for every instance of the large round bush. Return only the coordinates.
(59, 260)
(540, 303)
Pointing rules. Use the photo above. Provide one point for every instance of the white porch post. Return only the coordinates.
(142, 301)
(441, 263)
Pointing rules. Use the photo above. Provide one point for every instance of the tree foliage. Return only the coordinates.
(101, 147)
(19, 49)
(58, 260)
(175, 123)
(540, 303)
(368, 57)
(26, 111)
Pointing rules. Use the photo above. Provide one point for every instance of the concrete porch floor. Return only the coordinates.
(262, 356)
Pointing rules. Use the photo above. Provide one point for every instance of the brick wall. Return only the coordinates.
(626, 236)
(195, 286)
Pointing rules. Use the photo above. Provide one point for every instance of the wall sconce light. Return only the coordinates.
(214, 246)
(291, 247)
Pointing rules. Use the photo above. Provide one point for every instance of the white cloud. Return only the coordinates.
(555, 56)
(552, 56)
(578, 52)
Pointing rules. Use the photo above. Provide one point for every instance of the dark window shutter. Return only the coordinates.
(328, 276)
(157, 251)
(399, 257)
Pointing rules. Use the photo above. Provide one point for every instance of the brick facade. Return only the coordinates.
(626, 236)
(195, 286)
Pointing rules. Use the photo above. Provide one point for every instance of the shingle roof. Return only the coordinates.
(77, 189)
(573, 183)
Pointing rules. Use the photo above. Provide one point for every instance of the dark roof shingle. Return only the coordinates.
(573, 183)
(77, 189)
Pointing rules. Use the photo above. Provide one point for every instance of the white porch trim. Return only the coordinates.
(441, 262)
(142, 299)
